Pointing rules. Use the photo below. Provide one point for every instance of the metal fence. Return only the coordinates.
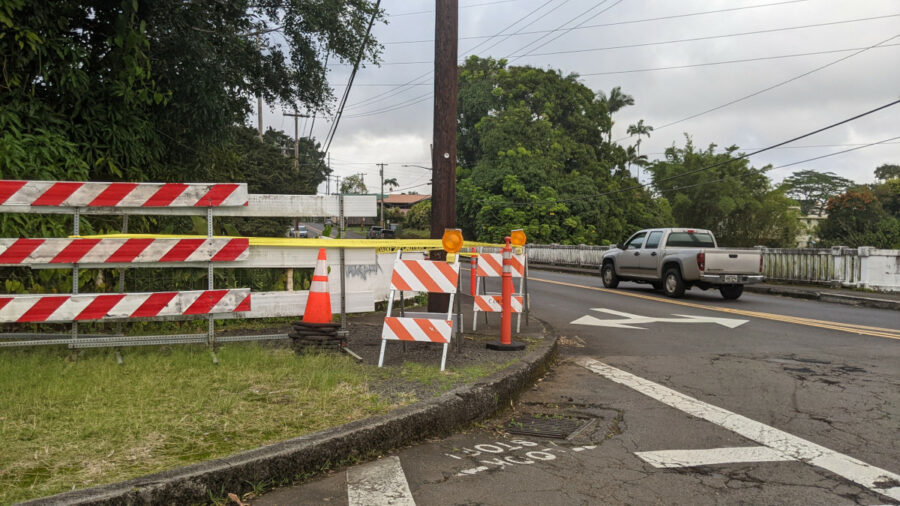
(154, 199)
(558, 254)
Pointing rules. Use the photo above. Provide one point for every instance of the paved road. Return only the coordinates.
(692, 401)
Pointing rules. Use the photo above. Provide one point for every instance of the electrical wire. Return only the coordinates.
(769, 88)
(616, 23)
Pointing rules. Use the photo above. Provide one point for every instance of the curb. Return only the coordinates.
(800, 293)
(836, 298)
(309, 455)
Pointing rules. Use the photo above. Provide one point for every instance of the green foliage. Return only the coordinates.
(864, 216)
(733, 199)
(887, 172)
(532, 155)
(419, 215)
(812, 189)
(354, 185)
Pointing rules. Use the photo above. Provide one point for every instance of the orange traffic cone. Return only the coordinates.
(318, 303)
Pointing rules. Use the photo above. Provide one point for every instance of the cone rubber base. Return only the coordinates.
(498, 346)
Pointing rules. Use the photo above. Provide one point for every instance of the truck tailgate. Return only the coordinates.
(732, 261)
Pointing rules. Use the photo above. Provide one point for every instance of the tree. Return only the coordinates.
(723, 193)
(887, 171)
(615, 102)
(858, 218)
(639, 129)
(812, 189)
(354, 185)
(391, 183)
(419, 216)
(533, 155)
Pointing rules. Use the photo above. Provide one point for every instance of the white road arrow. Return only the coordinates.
(628, 320)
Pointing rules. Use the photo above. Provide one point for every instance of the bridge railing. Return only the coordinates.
(863, 267)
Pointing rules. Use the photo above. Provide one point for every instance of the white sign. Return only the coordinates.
(628, 320)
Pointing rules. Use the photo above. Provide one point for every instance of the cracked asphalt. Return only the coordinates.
(824, 400)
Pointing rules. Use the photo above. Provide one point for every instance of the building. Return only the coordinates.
(402, 203)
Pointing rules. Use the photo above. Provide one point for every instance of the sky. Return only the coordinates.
(784, 92)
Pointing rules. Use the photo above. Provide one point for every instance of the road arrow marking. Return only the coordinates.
(628, 320)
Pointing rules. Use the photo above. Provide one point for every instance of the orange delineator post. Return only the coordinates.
(506, 292)
(472, 277)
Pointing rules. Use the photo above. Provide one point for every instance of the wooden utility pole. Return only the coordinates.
(381, 173)
(296, 116)
(443, 157)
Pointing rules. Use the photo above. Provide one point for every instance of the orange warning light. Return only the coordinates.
(452, 240)
(517, 237)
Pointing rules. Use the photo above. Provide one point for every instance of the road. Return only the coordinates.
(689, 401)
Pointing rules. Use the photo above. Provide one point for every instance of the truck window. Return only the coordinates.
(636, 241)
(687, 240)
(653, 240)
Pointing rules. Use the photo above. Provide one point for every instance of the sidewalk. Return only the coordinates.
(881, 300)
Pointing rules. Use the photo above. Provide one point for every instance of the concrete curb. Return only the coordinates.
(306, 456)
(784, 291)
(836, 298)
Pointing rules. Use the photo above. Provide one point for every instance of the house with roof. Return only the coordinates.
(402, 203)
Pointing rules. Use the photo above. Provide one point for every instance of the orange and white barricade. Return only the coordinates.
(421, 276)
(490, 265)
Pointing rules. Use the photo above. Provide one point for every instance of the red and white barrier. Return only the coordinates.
(417, 329)
(490, 265)
(114, 251)
(494, 303)
(87, 194)
(421, 276)
(87, 307)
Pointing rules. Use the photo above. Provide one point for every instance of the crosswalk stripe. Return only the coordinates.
(379, 483)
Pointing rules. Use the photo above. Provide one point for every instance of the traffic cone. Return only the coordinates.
(318, 303)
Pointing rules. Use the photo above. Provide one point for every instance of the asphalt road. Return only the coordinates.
(763, 400)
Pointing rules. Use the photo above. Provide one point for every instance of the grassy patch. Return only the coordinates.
(79, 419)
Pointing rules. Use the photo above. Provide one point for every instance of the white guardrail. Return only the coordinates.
(354, 286)
(864, 267)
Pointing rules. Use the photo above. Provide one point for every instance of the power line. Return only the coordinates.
(616, 23)
(461, 7)
(759, 92)
(725, 62)
(675, 41)
(569, 30)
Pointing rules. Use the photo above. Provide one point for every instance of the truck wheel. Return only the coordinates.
(608, 273)
(731, 292)
(673, 285)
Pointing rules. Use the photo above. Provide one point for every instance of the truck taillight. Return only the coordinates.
(701, 261)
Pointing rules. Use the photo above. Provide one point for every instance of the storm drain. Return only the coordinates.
(549, 426)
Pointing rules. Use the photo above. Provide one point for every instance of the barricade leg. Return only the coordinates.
(381, 355)
(444, 357)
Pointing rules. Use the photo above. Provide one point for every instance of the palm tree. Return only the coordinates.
(639, 129)
(392, 183)
(614, 103)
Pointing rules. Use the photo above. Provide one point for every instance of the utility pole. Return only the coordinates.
(381, 173)
(443, 158)
(296, 116)
(259, 101)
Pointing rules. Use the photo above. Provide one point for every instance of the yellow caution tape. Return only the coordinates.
(380, 245)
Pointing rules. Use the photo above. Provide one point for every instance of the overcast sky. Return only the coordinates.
(384, 123)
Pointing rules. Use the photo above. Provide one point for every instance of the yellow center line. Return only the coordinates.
(843, 327)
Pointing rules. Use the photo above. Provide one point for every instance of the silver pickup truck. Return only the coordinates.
(675, 259)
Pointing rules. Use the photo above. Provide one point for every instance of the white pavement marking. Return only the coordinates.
(873, 478)
(628, 320)
(380, 483)
(691, 458)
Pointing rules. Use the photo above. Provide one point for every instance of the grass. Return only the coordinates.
(78, 419)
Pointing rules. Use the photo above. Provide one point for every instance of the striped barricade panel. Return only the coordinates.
(490, 265)
(494, 303)
(87, 307)
(425, 276)
(112, 251)
(89, 194)
(416, 329)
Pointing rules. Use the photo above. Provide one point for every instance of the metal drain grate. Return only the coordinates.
(548, 426)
